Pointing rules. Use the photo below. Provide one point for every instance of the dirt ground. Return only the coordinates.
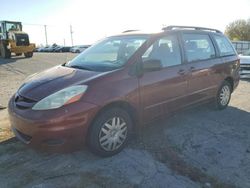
(197, 147)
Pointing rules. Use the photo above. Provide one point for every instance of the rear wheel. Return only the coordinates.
(223, 95)
(109, 133)
(5, 52)
(18, 54)
(28, 54)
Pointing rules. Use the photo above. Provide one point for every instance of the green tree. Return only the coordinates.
(238, 30)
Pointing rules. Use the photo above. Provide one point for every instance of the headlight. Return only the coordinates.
(60, 98)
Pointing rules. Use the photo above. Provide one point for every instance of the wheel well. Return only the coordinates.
(230, 81)
(123, 105)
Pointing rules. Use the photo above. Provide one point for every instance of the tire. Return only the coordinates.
(77, 51)
(5, 52)
(18, 54)
(28, 54)
(223, 95)
(105, 140)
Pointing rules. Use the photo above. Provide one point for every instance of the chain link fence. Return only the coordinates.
(241, 46)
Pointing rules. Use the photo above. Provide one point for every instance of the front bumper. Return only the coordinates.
(21, 49)
(59, 130)
(245, 70)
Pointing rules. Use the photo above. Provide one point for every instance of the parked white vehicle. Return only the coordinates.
(79, 49)
(245, 64)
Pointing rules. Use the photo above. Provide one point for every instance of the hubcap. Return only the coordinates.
(224, 95)
(113, 134)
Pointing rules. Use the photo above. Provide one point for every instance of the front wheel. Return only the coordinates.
(109, 133)
(223, 95)
(28, 54)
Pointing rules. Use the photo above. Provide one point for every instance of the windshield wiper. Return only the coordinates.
(80, 67)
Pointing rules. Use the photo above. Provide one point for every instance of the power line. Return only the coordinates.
(45, 26)
(36, 24)
(32, 24)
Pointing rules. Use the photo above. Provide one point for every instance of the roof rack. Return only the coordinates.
(172, 27)
(131, 30)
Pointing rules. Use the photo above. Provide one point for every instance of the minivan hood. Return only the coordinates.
(41, 85)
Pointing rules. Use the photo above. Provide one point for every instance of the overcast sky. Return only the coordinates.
(95, 19)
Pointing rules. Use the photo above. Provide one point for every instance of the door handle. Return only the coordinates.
(181, 71)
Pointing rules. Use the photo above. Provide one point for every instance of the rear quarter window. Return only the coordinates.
(224, 45)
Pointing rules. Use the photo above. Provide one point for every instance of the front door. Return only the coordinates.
(164, 90)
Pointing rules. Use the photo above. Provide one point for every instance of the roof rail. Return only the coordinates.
(131, 30)
(172, 27)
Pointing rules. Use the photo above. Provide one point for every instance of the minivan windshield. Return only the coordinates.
(108, 54)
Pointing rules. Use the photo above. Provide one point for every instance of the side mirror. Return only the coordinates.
(152, 65)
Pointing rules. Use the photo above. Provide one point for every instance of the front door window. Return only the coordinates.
(166, 50)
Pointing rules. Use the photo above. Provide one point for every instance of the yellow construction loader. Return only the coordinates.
(14, 40)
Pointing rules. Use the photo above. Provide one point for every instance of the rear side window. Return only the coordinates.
(224, 46)
(198, 47)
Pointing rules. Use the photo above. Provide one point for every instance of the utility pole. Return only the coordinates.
(45, 29)
(71, 35)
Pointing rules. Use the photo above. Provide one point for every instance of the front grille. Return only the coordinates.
(22, 40)
(245, 66)
(23, 102)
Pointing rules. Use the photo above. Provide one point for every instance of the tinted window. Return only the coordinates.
(166, 50)
(198, 47)
(224, 45)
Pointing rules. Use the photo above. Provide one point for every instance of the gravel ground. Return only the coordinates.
(197, 147)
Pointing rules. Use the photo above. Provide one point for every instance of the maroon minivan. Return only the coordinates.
(121, 82)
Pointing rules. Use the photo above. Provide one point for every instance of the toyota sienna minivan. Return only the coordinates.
(122, 82)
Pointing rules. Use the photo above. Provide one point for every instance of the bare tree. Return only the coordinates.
(238, 30)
